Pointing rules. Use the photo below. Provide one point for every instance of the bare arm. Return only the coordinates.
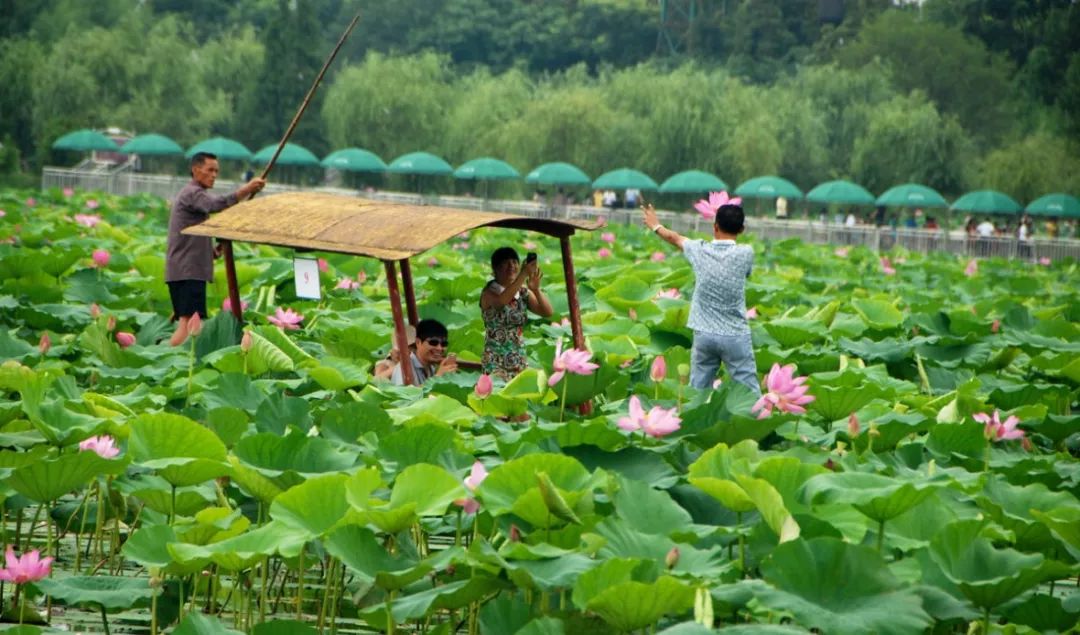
(668, 235)
(538, 302)
(490, 300)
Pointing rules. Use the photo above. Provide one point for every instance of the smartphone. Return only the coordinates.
(530, 257)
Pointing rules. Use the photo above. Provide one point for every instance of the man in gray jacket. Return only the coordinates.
(189, 262)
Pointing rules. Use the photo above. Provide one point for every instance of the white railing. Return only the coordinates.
(126, 182)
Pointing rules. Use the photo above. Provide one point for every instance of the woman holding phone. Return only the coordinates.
(504, 306)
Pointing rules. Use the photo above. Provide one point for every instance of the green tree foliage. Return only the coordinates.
(907, 140)
(1036, 165)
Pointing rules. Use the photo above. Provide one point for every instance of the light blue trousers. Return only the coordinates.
(735, 351)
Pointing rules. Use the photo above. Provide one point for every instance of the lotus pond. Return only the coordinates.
(275, 488)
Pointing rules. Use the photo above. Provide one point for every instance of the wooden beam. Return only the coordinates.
(572, 303)
(410, 293)
(399, 323)
(230, 277)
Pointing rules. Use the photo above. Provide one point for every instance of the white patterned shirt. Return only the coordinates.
(721, 268)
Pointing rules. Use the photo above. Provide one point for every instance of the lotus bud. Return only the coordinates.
(44, 344)
(672, 558)
(483, 386)
(101, 258)
(853, 425)
(323, 265)
(995, 326)
(155, 577)
(95, 311)
(245, 342)
(659, 369)
(124, 339)
(111, 324)
(515, 534)
(194, 325)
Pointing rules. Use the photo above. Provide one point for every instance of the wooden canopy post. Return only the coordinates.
(399, 323)
(410, 292)
(230, 277)
(572, 302)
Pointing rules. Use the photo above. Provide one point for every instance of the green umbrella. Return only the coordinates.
(420, 163)
(354, 160)
(85, 140)
(222, 148)
(911, 195)
(291, 154)
(987, 202)
(840, 191)
(624, 179)
(692, 182)
(558, 173)
(768, 187)
(487, 169)
(1055, 205)
(152, 144)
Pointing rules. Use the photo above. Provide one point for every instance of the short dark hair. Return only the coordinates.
(501, 255)
(430, 328)
(730, 219)
(199, 158)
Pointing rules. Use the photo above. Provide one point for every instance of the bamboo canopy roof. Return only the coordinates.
(351, 225)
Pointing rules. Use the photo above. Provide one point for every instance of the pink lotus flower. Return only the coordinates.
(853, 425)
(194, 325)
(104, 446)
(95, 311)
(124, 339)
(658, 256)
(472, 481)
(603, 252)
(30, 567)
(786, 392)
(570, 361)
(995, 326)
(348, 284)
(68, 192)
(608, 237)
(658, 371)
(751, 313)
(2, 213)
(101, 258)
(31, 202)
(716, 383)
(484, 386)
(671, 294)
(92, 204)
(433, 262)
(464, 245)
(530, 245)
(972, 268)
(361, 277)
(708, 207)
(44, 344)
(286, 319)
(88, 220)
(226, 305)
(463, 235)
(246, 342)
(323, 265)
(998, 430)
(841, 252)
(657, 423)
(1044, 261)
(886, 266)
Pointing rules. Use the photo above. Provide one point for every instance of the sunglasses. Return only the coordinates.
(436, 341)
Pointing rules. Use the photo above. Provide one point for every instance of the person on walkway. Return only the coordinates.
(430, 358)
(718, 307)
(504, 305)
(189, 260)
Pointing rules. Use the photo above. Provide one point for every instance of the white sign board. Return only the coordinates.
(306, 272)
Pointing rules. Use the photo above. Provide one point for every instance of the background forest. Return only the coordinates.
(956, 94)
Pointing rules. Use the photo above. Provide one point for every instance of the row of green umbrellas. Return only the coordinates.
(565, 174)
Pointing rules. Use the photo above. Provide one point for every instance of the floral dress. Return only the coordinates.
(504, 344)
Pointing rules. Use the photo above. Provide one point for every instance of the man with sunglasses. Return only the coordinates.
(430, 358)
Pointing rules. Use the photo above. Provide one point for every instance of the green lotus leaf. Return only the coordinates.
(244, 551)
(1044, 613)
(47, 480)
(422, 443)
(278, 413)
(348, 422)
(724, 462)
(879, 315)
(362, 552)
(726, 419)
(148, 546)
(631, 605)
(273, 455)
(315, 506)
(212, 524)
(871, 599)
(648, 510)
(582, 388)
(335, 373)
(253, 482)
(614, 351)
(504, 614)
(878, 497)
(793, 332)
(1064, 524)
(510, 481)
(1013, 507)
(280, 340)
(771, 506)
(543, 626)
(729, 493)
(430, 488)
(439, 408)
(550, 573)
(985, 575)
(284, 627)
(452, 595)
(964, 440)
(387, 519)
(195, 623)
(609, 573)
(620, 540)
(630, 462)
(627, 292)
(108, 592)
